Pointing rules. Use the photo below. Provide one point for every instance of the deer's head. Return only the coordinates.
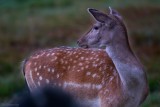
(104, 30)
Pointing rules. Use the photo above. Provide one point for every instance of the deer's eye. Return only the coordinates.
(96, 27)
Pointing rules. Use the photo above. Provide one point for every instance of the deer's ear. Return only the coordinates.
(99, 16)
(115, 13)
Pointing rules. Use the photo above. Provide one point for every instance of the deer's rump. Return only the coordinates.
(85, 73)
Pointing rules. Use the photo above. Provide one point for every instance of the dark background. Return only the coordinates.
(28, 25)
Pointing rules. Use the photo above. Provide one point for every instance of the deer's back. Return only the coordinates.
(89, 71)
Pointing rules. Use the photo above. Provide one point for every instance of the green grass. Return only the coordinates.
(10, 84)
(23, 4)
(152, 100)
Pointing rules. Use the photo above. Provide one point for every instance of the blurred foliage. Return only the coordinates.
(28, 25)
(22, 4)
(10, 84)
(153, 100)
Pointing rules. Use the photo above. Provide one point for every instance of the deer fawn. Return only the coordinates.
(111, 77)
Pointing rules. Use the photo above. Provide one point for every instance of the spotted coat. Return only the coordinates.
(85, 73)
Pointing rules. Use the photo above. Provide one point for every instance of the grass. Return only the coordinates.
(9, 85)
(152, 100)
(27, 25)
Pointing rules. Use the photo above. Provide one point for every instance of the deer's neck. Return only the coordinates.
(130, 70)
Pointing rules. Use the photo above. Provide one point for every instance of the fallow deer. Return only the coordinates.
(111, 77)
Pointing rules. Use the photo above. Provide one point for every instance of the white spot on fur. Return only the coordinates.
(88, 73)
(35, 57)
(82, 68)
(47, 81)
(97, 59)
(52, 54)
(40, 78)
(70, 59)
(48, 55)
(86, 58)
(65, 62)
(82, 58)
(55, 58)
(100, 69)
(86, 85)
(61, 74)
(35, 63)
(86, 66)
(111, 68)
(35, 69)
(80, 64)
(40, 67)
(78, 70)
(94, 75)
(111, 78)
(91, 58)
(95, 65)
(39, 83)
(49, 69)
(52, 70)
(57, 75)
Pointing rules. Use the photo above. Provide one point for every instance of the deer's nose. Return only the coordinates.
(80, 42)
